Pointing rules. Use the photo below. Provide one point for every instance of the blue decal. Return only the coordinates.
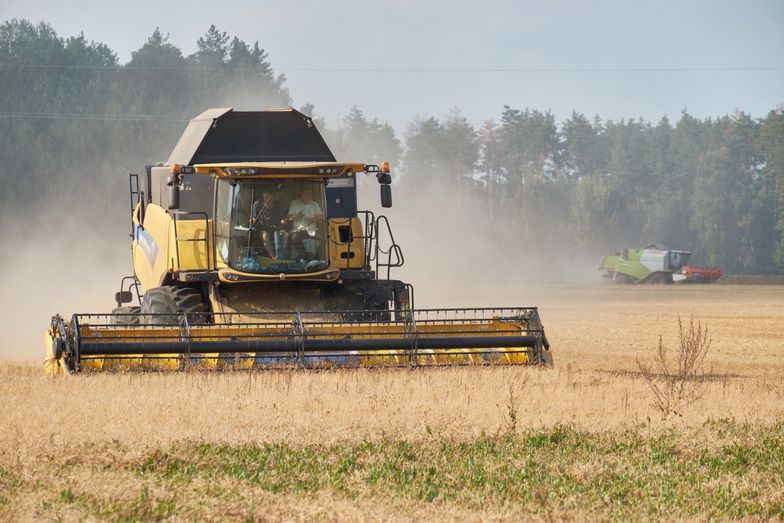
(147, 243)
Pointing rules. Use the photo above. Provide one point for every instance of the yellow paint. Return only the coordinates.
(152, 257)
(346, 255)
(51, 365)
(193, 255)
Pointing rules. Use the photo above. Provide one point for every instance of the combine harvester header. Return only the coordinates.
(420, 338)
(249, 250)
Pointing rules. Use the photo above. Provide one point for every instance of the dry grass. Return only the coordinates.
(97, 421)
(680, 379)
(326, 407)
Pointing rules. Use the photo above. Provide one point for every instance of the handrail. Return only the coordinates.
(369, 238)
(394, 248)
(135, 285)
(135, 192)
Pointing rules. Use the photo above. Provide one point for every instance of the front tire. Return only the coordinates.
(126, 316)
(166, 305)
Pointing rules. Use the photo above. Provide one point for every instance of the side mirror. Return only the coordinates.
(386, 195)
(174, 191)
(123, 297)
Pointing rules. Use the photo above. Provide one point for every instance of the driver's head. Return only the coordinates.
(268, 198)
(304, 195)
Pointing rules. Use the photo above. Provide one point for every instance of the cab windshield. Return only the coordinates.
(271, 226)
(678, 259)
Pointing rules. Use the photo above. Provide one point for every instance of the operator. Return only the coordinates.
(304, 213)
(270, 218)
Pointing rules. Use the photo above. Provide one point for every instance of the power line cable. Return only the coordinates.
(535, 69)
(94, 116)
(434, 70)
(178, 118)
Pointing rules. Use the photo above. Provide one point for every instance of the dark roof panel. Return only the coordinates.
(224, 135)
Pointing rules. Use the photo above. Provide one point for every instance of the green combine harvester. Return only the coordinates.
(655, 265)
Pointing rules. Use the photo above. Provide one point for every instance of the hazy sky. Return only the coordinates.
(353, 39)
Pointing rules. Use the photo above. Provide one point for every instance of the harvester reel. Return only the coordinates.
(316, 339)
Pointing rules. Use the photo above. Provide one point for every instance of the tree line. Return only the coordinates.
(73, 119)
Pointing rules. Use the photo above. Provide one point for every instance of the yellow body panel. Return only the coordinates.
(346, 255)
(155, 246)
(193, 255)
(151, 255)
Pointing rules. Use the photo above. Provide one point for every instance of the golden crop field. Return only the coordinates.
(580, 440)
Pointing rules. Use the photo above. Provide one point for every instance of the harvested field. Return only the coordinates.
(581, 440)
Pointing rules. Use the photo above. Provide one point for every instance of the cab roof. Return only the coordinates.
(223, 135)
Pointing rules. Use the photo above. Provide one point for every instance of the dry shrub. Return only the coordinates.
(679, 380)
(509, 412)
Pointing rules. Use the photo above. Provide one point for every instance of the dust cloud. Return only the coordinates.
(456, 257)
(65, 267)
(453, 257)
(68, 262)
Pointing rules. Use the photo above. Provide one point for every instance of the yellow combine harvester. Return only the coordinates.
(249, 251)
